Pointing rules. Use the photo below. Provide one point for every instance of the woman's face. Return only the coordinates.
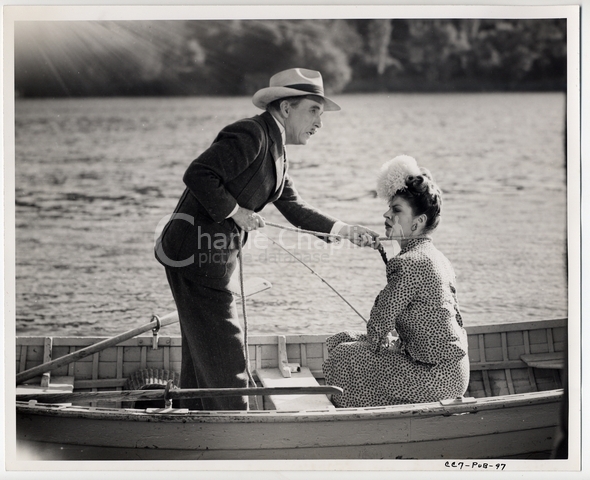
(399, 207)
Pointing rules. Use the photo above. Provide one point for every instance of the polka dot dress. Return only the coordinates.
(427, 361)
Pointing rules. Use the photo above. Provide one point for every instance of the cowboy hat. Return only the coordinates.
(294, 82)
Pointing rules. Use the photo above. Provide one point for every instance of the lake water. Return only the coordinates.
(94, 177)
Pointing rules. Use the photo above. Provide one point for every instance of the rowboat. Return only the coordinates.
(115, 404)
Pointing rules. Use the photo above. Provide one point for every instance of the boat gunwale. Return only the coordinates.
(259, 416)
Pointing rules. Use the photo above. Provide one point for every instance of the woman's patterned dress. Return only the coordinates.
(429, 361)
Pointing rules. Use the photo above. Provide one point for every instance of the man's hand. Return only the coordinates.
(247, 219)
(361, 236)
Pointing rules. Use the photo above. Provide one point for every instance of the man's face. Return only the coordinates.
(302, 121)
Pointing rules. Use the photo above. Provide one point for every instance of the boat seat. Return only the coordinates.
(273, 377)
(550, 360)
(55, 385)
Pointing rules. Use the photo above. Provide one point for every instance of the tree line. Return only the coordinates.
(236, 57)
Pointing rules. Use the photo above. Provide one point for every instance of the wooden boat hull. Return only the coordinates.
(488, 428)
(515, 385)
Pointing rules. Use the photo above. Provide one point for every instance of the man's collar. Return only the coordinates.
(281, 128)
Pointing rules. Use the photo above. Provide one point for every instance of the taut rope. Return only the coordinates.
(383, 254)
(339, 237)
(300, 230)
(316, 274)
(242, 293)
(330, 235)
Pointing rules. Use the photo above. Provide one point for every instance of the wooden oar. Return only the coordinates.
(251, 287)
(97, 347)
(137, 395)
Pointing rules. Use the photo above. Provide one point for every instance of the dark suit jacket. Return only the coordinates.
(238, 168)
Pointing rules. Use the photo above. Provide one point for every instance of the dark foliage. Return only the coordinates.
(237, 57)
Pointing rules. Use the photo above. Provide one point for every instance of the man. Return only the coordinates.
(226, 186)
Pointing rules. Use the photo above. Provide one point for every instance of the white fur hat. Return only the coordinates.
(393, 174)
(294, 82)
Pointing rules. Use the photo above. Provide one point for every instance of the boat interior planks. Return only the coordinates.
(497, 357)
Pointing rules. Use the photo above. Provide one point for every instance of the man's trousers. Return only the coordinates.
(213, 353)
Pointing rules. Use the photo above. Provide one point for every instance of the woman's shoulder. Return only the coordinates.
(399, 266)
(394, 264)
(427, 257)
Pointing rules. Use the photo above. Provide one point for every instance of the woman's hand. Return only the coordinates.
(361, 236)
(390, 342)
(248, 220)
(378, 344)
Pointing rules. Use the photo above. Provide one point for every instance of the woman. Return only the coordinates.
(428, 362)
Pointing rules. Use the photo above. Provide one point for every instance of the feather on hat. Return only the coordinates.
(393, 174)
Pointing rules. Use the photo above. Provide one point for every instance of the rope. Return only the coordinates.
(300, 230)
(339, 237)
(383, 254)
(316, 274)
(242, 293)
(324, 234)
(311, 232)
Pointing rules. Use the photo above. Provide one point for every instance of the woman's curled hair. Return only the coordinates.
(424, 196)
